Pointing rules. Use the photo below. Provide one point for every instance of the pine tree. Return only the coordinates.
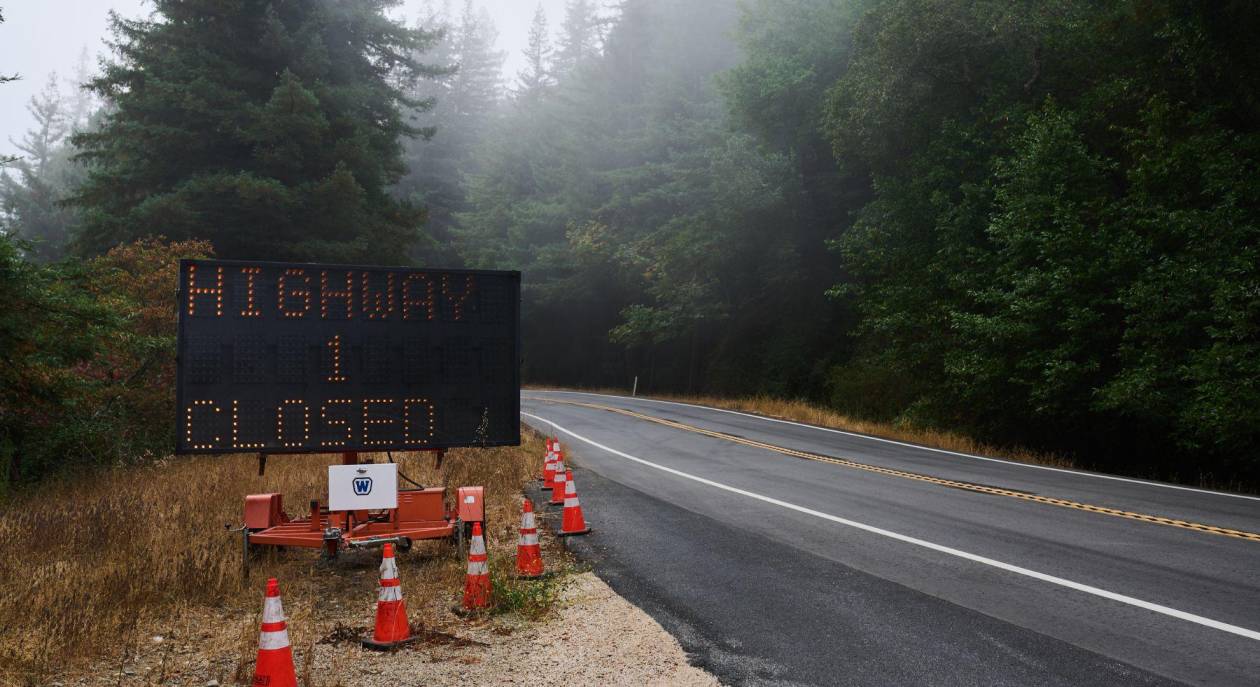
(535, 78)
(463, 103)
(269, 127)
(82, 101)
(33, 202)
(579, 36)
(478, 83)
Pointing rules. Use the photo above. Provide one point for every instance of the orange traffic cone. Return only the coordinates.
(529, 562)
(477, 583)
(557, 484)
(542, 476)
(549, 467)
(572, 522)
(391, 611)
(275, 656)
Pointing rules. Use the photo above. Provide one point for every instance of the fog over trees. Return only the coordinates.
(1035, 223)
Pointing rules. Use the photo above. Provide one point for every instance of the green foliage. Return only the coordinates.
(88, 358)
(32, 203)
(268, 127)
(457, 108)
(655, 240)
(1062, 239)
(533, 599)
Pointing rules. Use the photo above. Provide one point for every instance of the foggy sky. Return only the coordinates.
(42, 36)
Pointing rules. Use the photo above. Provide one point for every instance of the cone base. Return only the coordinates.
(374, 645)
(573, 534)
(540, 576)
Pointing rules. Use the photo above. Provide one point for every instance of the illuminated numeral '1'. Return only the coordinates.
(334, 350)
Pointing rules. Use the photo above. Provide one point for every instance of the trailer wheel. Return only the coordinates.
(404, 544)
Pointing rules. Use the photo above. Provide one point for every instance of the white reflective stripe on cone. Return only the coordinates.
(527, 522)
(529, 539)
(570, 489)
(389, 569)
(571, 502)
(270, 641)
(478, 568)
(273, 612)
(478, 546)
(389, 594)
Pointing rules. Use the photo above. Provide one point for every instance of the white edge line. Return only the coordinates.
(1080, 587)
(1080, 473)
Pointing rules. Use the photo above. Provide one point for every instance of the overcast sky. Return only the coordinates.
(42, 36)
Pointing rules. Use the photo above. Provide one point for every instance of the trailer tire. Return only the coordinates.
(404, 544)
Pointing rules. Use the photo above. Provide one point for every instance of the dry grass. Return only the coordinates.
(92, 566)
(808, 413)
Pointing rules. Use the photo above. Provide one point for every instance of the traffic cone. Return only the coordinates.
(477, 582)
(542, 475)
(529, 562)
(392, 628)
(274, 667)
(557, 484)
(572, 522)
(549, 467)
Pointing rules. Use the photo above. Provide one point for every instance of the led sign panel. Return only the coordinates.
(299, 358)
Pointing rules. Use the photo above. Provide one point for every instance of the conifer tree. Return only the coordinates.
(579, 36)
(536, 76)
(32, 200)
(464, 99)
(269, 127)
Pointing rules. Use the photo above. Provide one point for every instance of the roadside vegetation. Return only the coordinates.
(1031, 224)
(97, 565)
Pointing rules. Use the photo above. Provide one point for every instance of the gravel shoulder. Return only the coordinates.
(594, 637)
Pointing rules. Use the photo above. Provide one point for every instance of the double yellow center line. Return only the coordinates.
(903, 474)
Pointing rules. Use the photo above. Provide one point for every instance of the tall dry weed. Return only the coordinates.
(91, 563)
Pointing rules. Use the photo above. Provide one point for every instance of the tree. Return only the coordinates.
(83, 104)
(1062, 225)
(88, 369)
(33, 203)
(579, 36)
(535, 78)
(463, 100)
(269, 128)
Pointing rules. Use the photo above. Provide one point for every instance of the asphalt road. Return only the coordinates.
(781, 553)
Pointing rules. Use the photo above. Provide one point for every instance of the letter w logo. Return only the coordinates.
(362, 486)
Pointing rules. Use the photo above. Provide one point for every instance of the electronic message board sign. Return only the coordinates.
(299, 358)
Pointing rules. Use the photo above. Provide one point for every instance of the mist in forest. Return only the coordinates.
(1038, 225)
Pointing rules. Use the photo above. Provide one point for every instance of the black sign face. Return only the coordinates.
(294, 358)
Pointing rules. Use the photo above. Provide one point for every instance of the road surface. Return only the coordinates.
(781, 553)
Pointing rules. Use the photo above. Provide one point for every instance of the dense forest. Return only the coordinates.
(1034, 223)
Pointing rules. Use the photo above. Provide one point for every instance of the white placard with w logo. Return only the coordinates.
(359, 487)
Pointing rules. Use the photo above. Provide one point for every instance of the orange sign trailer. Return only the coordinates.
(421, 514)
